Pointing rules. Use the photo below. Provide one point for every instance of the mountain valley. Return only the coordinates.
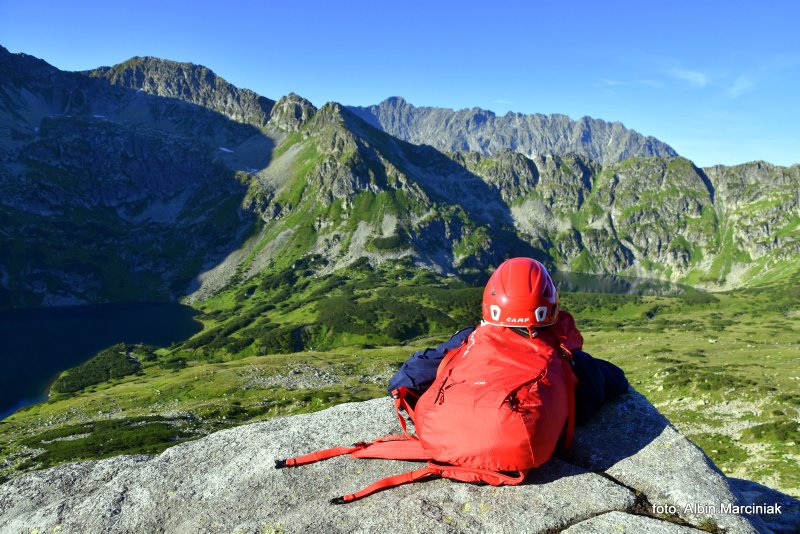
(322, 245)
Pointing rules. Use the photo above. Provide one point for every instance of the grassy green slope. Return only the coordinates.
(346, 190)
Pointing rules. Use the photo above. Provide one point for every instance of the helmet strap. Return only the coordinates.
(527, 331)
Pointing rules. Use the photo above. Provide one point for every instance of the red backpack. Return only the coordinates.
(495, 411)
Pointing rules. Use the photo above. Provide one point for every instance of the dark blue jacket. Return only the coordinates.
(598, 380)
(419, 371)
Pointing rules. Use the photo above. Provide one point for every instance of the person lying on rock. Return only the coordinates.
(521, 299)
(494, 401)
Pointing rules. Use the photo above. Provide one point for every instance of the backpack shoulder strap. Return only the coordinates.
(318, 456)
(455, 472)
(396, 447)
(476, 474)
(565, 353)
(389, 482)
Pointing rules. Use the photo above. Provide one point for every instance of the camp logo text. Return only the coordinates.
(495, 311)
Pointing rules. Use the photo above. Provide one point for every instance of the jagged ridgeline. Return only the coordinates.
(154, 179)
(479, 130)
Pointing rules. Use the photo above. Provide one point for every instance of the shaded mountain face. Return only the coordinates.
(110, 193)
(190, 83)
(154, 179)
(479, 130)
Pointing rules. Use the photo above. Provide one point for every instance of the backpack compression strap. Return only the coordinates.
(400, 403)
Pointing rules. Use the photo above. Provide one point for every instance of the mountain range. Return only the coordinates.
(481, 131)
(157, 180)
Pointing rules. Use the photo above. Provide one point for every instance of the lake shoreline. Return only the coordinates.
(38, 344)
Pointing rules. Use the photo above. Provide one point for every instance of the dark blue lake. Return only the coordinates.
(608, 283)
(38, 344)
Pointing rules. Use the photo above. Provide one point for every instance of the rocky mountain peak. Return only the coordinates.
(18, 66)
(394, 101)
(291, 112)
(191, 83)
(332, 113)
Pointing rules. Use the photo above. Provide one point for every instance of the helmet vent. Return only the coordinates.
(546, 291)
(541, 313)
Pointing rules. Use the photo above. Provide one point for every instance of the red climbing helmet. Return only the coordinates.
(520, 293)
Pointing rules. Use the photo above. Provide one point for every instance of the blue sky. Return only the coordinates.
(716, 80)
